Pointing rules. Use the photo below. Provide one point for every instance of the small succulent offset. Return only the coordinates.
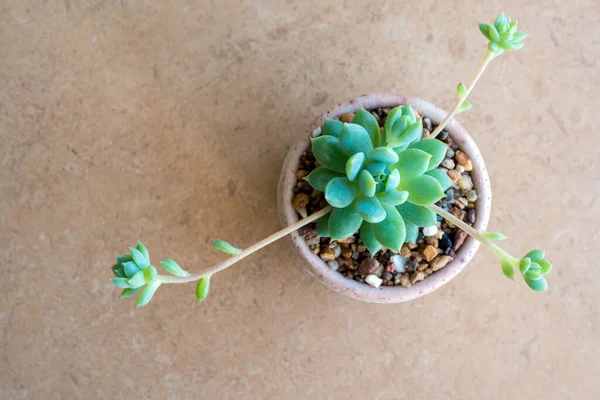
(380, 182)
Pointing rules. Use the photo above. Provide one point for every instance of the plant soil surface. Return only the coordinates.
(415, 261)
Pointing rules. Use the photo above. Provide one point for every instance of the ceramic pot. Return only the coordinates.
(384, 294)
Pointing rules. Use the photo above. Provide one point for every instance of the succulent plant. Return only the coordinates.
(378, 180)
(503, 35)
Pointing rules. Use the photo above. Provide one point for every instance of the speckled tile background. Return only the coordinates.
(168, 121)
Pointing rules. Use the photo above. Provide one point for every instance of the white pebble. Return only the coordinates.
(316, 132)
(430, 230)
(373, 280)
(460, 168)
(399, 263)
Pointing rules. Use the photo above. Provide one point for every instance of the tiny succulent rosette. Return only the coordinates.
(503, 35)
(533, 267)
(378, 180)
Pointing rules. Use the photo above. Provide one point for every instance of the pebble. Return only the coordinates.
(373, 280)
(316, 132)
(377, 117)
(422, 267)
(430, 230)
(347, 117)
(443, 135)
(450, 152)
(404, 281)
(465, 182)
(399, 262)
(337, 251)
(460, 169)
(346, 252)
(444, 242)
(429, 252)
(454, 175)
(300, 201)
(348, 240)
(462, 158)
(405, 250)
(361, 248)
(327, 255)
(388, 276)
(471, 195)
(416, 277)
(448, 163)
(459, 239)
(301, 174)
(368, 266)
(427, 124)
(440, 262)
(471, 215)
(428, 271)
(333, 265)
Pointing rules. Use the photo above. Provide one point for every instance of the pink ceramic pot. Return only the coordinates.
(385, 294)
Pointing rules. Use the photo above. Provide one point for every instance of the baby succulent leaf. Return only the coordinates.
(128, 292)
(329, 154)
(507, 268)
(417, 215)
(501, 19)
(408, 111)
(137, 280)
(400, 126)
(412, 231)
(143, 250)
(370, 209)
(545, 266)
(120, 282)
(323, 226)
(355, 165)
(118, 270)
(130, 268)
(535, 255)
(218, 244)
(384, 155)
(320, 177)
(368, 238)
(391, 119)
(355, 139)
(494, 235)
(466, 106)
(393, 198)
(485, 29)
(422, 190)
(139, 258)
(539, 285)
(494, 35)
(344, 222)
(461, 89)
(340, 192)
(412, 162)
(174, 269)
(148, 292)
(393, 181)
(332, 127)
(368, 121)
(366, 183)
(524, 265)
(121, 258)
(202, 288)
(441, 177)
(391, 231)
(437, 149)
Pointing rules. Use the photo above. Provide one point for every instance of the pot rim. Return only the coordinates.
(362, 291)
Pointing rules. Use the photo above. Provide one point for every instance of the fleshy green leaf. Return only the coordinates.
(494, 48)
(391, 231)
(369, 209)
(408, 111)
(128, 292)
(466, 106)
(461, 89)
(328, 152)
(320, 177)
(507, 268)
(148, 292)
(130, 268)
(535, 255)
(354, 165)
(119, 271)
(484, 28)
(502, 19)
(393, 136)
(220, 245)
(393, 181)
(412, 162)
(412, 231)
(366, 183)
(524, 265)
(433, 147)
(393, 198)
(417, 215)
(539, 285)
(120, 282)
(533, 273)
(494, 33)
(441, 177)
(139, 258)
(368, 238)
(202, 288)
(323, 226)
(519, 36)
(494, 235)
(122, 258)
(340, 192)
(422, 190)
(332, 127)
(344, 222)
(412, 134)
(173, 268)
(368, 121)
(391, 119)
(376, 169)
(137, 280)
(149, 273)
(355, 139)
(143, 250)
(512, 45)
(383, 154)
(545, 266)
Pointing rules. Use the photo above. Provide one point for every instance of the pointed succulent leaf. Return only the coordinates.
(370, 209)
(494, 33)
(545, 266)
(344, 222)
(366, 183)
(384, 155)
(507, 268)
(391, 119)
(120, 282)
(412, 162)
(340, 192)
(494, 235)
(539, 285)
(518, 36)
(354, 165)
(417, 215)
(437, 149)
(355, 139)
(119, 271)
(329, 154)
(391, 231)
(393, 198)
(202, 288)
(393, 136)
(441, 177)
(524, 265)
(323, 226)
(502, 19)
(485, 29)
(503, 28)
(466, 106)
(143, 250)
(147, 293)
(533, 274)
(422, 190)
(332, 127)
(139, 258)
(408, 111)
(122, 258)
(368, 238)
(412, 134)
(512, 45)
(128, 292)
(461, 89)
(174, 269)
(130, 268)
(137, 280)
(393, 181)
(535, 255)
(320, 177)
(150, 273)
(368, 121)
(495, 48)
(218, 244)
(412, 232)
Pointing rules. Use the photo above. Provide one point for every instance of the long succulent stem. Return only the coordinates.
(246, 252)
(489, 56)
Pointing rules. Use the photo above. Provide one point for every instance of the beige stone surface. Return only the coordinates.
(168, 121)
